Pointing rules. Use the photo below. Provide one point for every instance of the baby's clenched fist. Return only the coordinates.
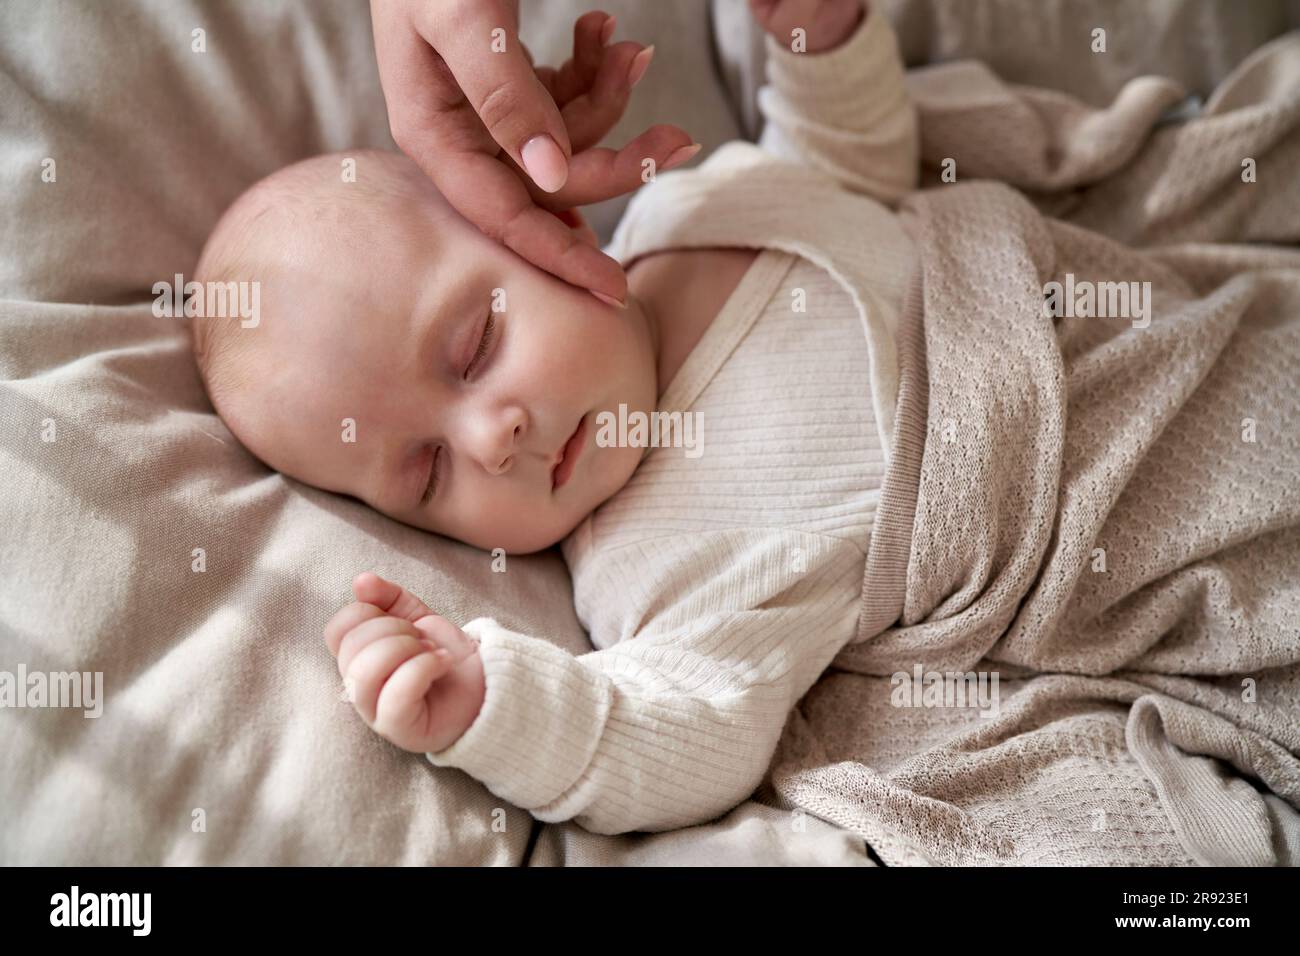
(415, 678)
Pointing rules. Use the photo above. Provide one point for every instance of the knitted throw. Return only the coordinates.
(1093, 509)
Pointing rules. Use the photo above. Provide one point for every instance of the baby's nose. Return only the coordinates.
(501, 460)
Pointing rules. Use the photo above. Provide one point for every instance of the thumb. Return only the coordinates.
(483, 52)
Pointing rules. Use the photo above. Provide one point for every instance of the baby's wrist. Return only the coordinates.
(468, 690)
(470, 670)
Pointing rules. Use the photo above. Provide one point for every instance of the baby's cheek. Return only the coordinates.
(506, 521)
(611, 469)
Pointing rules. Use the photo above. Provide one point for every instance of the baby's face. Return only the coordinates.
(388, 322)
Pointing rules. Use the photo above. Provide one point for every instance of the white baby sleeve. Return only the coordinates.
(845, 112)
(666, 729)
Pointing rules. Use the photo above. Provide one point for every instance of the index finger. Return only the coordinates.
(487, 193)
(344, 620)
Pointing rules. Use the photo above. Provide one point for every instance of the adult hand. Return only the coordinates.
(510, 146)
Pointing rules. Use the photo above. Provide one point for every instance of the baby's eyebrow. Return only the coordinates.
(432, 325)
(429, 341)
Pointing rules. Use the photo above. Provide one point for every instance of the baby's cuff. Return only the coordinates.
(541, 721)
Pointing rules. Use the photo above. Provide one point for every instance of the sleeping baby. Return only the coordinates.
(405, 359)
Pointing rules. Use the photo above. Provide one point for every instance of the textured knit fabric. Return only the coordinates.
(1104, 513)
(716, 589)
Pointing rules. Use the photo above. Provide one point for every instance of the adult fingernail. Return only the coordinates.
(608, 299)
(680, 155)
(544, 161)
(607, 31)
(639, 64)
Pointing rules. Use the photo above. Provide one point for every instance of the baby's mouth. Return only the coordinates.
(568, 456)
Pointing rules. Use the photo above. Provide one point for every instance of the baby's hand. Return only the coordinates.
(415, 678)
(826, 23)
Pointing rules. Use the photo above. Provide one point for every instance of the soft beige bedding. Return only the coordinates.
(223, 737)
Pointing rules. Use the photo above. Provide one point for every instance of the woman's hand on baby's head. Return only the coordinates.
(509, 144)
(414, 677)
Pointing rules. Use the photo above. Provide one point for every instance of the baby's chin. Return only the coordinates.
(521, 540)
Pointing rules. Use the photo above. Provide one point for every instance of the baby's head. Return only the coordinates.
(392, 334)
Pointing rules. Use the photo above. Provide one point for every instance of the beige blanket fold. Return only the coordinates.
(1105, 528)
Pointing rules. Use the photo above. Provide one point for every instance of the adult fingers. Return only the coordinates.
(478, 40)
(496, 200)
(419, 89)
(574, 219)
(591, 115)
(546, 75)
(600, 173)
(591, 32)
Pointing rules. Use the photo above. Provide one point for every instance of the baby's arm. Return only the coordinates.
(840, 105)
(676, 724)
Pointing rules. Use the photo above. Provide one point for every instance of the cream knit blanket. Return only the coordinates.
(1101, 513)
